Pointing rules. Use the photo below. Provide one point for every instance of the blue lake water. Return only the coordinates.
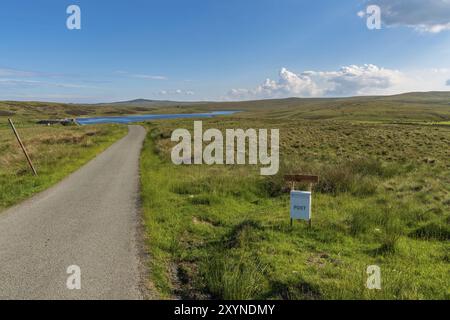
(145, 117)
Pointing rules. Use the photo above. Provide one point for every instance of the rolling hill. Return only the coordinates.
(416, 106)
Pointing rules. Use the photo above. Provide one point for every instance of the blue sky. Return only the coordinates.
(220, 49)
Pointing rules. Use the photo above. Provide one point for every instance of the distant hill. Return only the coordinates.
(437, 97)
(146, 103)
(414, 106)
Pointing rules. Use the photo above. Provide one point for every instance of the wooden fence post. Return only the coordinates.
(23, 147)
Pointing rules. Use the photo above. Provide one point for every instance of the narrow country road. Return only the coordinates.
(91, 220)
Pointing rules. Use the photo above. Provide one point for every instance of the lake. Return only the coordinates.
(145, 117)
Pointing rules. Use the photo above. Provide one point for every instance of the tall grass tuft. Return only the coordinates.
(231, 279)
(358, 177)
(391, 232)
(432, 231)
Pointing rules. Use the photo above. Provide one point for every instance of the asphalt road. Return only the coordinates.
(90, 220)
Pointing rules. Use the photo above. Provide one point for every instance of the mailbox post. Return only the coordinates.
(301, 205)
(301, 200)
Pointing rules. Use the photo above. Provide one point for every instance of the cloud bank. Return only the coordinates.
(350, 80)
(5, 72)
(347, 81)
(431, 16)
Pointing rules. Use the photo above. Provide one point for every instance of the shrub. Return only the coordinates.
(274, 186)
(336, 179)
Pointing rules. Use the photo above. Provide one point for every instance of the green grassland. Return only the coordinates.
(411, 107)
(383, 199)
(30, 112)
(56, 151)
(223, 231)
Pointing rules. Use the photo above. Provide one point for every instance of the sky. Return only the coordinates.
(221, 49)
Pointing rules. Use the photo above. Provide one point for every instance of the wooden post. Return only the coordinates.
(292, 188)
(310, 219)
(23, 147)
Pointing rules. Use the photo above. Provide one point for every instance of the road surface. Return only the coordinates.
(90, 220)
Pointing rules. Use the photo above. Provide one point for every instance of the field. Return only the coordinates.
(30, 112)
(383, 199)
(56, 151)
(223, 231)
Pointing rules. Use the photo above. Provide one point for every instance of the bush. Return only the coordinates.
(358, 177)
(336, 179)
(274, 186)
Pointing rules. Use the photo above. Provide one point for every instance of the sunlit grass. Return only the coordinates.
(55, 151)
(223, 231)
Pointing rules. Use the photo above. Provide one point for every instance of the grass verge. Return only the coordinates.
(56, 152)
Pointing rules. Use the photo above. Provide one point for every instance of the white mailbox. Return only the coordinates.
(300, 205)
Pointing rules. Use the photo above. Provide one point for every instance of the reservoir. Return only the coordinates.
(146, 117)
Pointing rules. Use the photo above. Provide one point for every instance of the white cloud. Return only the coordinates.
(141, 76)
(350, 80)
(360, 80)
(288, 84)
(4, 72)
(448, 82)
(347, 81)
(148, 77)
(19, 82)
(431, 16)
(14, 73)
(36, 83)
(177, 92)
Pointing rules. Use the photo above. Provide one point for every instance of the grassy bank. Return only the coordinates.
(223, 231)
(56, 151)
